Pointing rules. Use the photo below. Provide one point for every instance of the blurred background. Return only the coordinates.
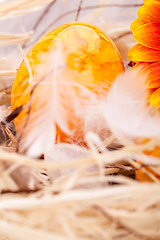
(35, 17)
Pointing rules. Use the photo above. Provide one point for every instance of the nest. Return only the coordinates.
(98, 197)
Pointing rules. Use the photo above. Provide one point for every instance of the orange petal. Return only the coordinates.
(139, 53)
(136, 24)
(141, 65)
(150, 1)
(150, 12)
(148, 35)
(153, 75)
(155, 98)
(142, 177)
(152, 71)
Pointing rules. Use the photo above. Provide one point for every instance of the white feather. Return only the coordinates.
(57, 105)
(127, 108)
(41, 126)
(64, 152)
(95, 122)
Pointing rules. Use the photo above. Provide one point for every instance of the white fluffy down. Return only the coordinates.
(126, 107)
(64, 152)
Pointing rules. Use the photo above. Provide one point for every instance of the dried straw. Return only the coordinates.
(79, 205)
(14, 39)
(16, 7)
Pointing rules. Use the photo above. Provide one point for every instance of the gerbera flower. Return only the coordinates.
(146, 31)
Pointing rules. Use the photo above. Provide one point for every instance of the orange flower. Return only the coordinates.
(67, 66)
(146, 31)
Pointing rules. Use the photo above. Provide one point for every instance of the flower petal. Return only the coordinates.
(148, 35)
(152, 72)
(150, 12)
(153, 75)
(135, 24)
(141, 65)
(142, 177)
(155, 98)
(150, 1)
(139, 53)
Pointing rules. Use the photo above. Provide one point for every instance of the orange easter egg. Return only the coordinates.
(62, 69)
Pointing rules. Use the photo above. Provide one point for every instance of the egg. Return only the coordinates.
(57, 82)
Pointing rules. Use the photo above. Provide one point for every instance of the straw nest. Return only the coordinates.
(98, 197)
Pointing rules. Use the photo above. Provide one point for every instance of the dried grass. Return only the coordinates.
(14, 39)
(79, 205)
(105, 203)
(16, 7)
